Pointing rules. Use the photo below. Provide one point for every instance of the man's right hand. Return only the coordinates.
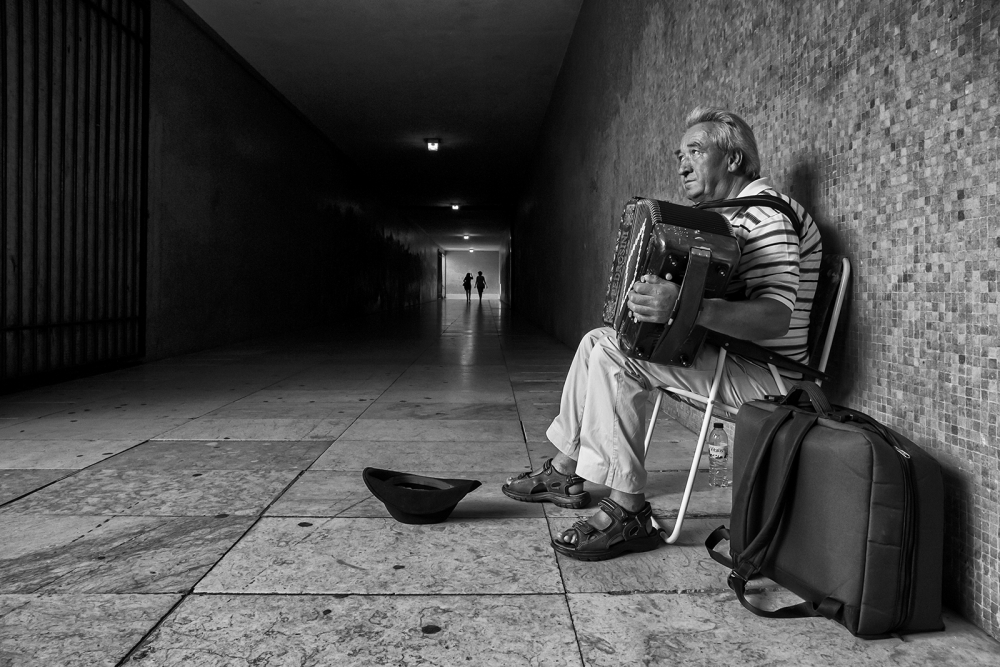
(652, 299)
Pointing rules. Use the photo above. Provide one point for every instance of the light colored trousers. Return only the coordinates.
(602, 413)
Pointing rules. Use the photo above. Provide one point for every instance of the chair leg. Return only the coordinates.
(652, 420)
(698, 450)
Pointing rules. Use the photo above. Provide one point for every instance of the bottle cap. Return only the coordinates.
(718, 424)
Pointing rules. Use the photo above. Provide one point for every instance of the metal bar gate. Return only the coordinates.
(73, 142)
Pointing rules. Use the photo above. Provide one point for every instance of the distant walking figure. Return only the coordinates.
(480, 285)
(467, 284)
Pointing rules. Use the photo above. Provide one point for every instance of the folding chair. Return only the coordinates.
(831, 292)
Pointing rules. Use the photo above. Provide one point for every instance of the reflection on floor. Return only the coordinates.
(209, 510)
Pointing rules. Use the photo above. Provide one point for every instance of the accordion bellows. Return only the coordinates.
(699, 251)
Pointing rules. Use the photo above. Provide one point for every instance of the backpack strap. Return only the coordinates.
(746, 564)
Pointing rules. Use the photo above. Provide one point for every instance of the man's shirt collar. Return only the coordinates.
(755, 187)
(752, 188)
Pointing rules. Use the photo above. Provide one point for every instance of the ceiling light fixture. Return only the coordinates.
(466, 237)
(433, 144)
(471, 250)
(454, 207)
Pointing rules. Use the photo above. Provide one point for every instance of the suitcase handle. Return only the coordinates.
(889, 436)
(821, 404)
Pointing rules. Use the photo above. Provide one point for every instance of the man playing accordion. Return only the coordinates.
(601, 423)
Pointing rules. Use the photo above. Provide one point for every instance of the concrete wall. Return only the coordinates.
(257, 223)
(459, 263)
(881, 117)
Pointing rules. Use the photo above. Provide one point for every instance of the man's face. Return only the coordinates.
(703, 167)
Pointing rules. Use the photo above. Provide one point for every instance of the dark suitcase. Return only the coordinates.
(839, 509)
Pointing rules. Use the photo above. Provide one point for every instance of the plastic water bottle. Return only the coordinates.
(718, 457)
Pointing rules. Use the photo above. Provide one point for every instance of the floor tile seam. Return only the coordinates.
(9, 422)
(246, 532)
(340, 514)
(414, 362)
(672, 514)
(387, 517)
(122, 515)
(510, 383)
(549, 527)
(44, 486)
(75, 471)
(82, 565)
(263, 388)
(259, 515)
(140, 468)
(279, 594)
(566, 594)
(61, 594)
(419, 355)
(36, 468)
(699, 591)
(286, 378)
(557, 513)
(256, 516)
(418, 469)
(457, 441)
(572, 617)
(149, 633)
(765, 588)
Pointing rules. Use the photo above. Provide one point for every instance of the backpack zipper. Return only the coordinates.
(908, 555)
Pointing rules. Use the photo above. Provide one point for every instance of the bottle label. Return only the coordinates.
(718, 451)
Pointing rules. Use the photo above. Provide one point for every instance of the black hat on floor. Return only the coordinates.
(415, 498)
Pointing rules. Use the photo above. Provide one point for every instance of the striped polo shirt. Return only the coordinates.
(775, 264)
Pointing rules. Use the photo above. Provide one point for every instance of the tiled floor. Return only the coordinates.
(209, 510)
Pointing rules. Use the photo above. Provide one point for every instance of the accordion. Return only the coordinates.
(699, 251)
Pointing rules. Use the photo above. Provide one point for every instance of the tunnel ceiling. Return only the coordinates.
(378, 77)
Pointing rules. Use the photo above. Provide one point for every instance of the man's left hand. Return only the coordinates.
(652, 298)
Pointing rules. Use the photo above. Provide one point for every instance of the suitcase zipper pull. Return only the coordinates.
(902, 453)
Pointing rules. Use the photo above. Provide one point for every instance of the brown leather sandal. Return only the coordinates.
(628, 531)
(547, 485)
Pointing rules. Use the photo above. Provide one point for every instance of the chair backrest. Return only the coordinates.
(831, 294)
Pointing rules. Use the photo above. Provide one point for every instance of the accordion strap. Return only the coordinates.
(687, 307)
(768, 201)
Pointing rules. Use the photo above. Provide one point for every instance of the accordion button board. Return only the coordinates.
(699, 251)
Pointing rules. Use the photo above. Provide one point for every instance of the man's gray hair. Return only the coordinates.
(731, 134)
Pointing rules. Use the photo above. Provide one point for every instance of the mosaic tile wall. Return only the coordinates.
(882, 118)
